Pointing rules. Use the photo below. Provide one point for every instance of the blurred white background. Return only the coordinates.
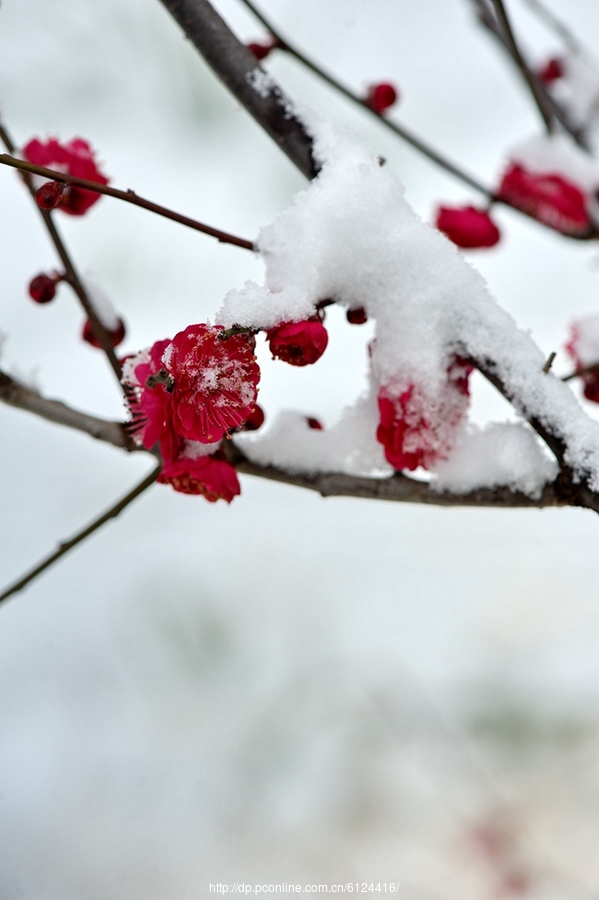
(287, 688)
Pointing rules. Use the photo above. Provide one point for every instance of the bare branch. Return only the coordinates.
(550, 105)
(534, 87)
(402, 488)
(127, 196)
(18, 395)
(413, 140)
(65, 546)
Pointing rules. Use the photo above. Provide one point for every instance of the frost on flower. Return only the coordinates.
(554, 181)
(73, 158)
(185, 395)
(352, 237)
(298, 343)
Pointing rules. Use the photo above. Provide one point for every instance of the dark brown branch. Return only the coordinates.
(399, 488)
(237, 67)
(65, 546)
(18, 395)
(127, 196)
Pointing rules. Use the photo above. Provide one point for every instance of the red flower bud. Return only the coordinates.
(298, 343)
(467, 227)
(314, 423)
(262, 50)
(116, 334)
(552, 71)
(255, 419)
(42, 288)
(356, 316)
(381, 96)
(49, 195)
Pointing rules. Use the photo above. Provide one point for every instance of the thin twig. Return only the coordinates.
(127, 196)
(413, 140)
(584, 370)
(71, 274)
(556, 110)
(65, 546)
(530, 79)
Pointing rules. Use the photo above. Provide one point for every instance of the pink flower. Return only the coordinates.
(381, 96)
(150, 401)
(215, 382)
(196, 387)
(467, 226)
(211, 476)
(75, 158)
(298, 343)
(417, 430)
(549, 198)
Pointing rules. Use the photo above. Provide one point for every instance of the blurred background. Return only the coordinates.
(288, 688)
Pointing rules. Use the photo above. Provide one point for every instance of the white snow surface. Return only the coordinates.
(501, 453)
(352, 236)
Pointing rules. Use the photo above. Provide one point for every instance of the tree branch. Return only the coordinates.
(65, 546)
(127, 196)
(237, 67)
(549, 105)
(18, 395)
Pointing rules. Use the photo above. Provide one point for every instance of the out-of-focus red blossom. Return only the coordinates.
(414, 433)
(215, 381)
(262, 49)
(49, 195)
(381, 96)
(298, 343)
(313, 423)
(590, 380)
(73, 158)
(356, 316)
(212, 476)
(467, 226)
(255, 419)
(552, 71)
(116, 334)
(549, 198)
(42, 288)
